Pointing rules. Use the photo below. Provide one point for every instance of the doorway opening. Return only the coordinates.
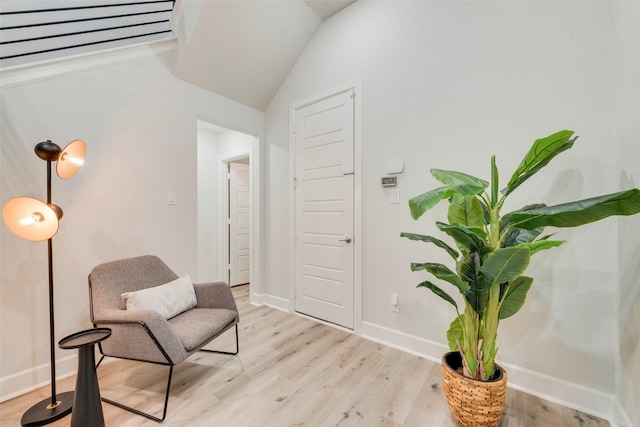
(227, 247)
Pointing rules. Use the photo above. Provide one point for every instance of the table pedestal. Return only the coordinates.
(87, 406)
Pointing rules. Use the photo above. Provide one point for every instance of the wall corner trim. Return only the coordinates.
(278, 303)
(620, 418)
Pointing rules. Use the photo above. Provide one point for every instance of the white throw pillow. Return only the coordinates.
(169, 299)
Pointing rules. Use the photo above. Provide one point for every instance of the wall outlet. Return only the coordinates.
(395, 303)
(171, 198)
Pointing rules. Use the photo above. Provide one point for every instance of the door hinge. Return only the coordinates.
(295, 183)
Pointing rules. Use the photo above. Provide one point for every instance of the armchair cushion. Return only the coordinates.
(169, 299)
(197, 327)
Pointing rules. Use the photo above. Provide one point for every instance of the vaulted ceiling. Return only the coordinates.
(243, 50)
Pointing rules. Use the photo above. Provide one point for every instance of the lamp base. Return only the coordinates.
(40, 414)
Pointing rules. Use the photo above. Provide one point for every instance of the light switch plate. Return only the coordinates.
(395, 196)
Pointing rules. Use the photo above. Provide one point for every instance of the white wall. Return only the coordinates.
(139, 123)
(447, 84)
(627, 136)
(234, 145)
(208, 209)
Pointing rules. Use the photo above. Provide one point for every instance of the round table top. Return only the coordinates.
(84, 338)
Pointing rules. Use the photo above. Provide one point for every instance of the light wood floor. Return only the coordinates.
(292, 371)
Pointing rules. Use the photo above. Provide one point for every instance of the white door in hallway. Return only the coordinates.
(239, 224)
(324, 205)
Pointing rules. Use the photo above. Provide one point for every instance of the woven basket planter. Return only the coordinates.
(473, 403)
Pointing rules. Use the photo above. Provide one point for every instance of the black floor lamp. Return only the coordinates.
(35, 220)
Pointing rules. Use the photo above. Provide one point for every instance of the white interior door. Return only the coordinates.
(324, 158)
(239, 224)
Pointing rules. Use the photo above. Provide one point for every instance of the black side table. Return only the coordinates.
(87, 407)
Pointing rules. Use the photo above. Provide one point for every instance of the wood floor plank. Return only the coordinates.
(430, 407)
(291, 371)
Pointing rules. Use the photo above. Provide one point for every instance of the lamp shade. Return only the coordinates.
(30, 218)
(71, 159)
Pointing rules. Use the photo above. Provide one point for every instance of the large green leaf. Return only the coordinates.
(539, 155)
(513, 236)
(540, 245)
(436, 290)
(429, 239)
(515, 297)
(477, 294)
(465, 210)
(504, 265)
(455, 333)
(455, 182)
(422, 203)
(517, 236)
(494, 181)
(465, 184)
(441, 272)
(581, 212)
(473, 239)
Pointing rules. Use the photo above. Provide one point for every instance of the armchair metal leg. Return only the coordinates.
(144, 414)
(166, 396)
(226, 352)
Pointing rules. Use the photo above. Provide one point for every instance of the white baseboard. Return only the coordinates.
(270, 301)
(428, 349)
(23, 382)
(620, 417)
(571, 395)
(575, 396)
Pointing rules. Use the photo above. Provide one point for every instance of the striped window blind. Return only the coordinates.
(36, 30)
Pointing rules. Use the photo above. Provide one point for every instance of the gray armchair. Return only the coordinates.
(146, 335)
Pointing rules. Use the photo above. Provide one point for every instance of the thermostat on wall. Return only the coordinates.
(388, 181)
(395, 166)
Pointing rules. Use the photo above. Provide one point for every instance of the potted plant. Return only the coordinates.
(493, 252)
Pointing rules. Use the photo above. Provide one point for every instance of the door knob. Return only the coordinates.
(347, 239)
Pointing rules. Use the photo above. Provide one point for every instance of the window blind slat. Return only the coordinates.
(55, 28)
